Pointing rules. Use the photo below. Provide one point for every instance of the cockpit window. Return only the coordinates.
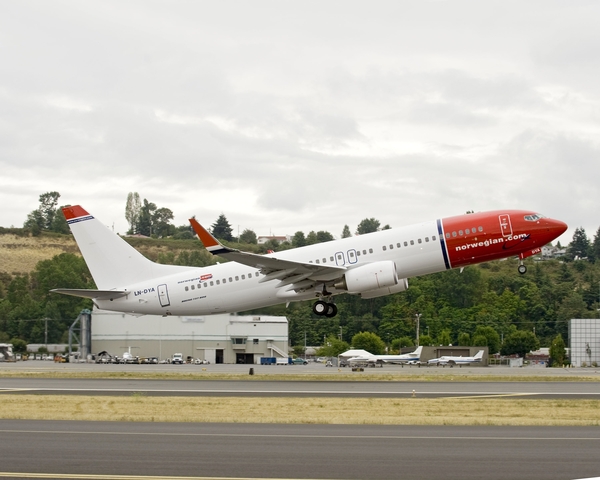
(534, 217)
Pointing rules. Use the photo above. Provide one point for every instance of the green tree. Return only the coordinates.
(580, 245)
(161, 222)
(595, 247)
(399, 343)
(19, 345)
(248, 236)
(43, 217)
(144, 226)
(133, 209)
(298, 240)
(491, 336)
(346, 232)
(445, 337)
(368, 341)
(333, 347)
(221, 229)
(557, 351)
(464, 339)
(323, 236)
(426, 341)
(520, 342)
(368, 225)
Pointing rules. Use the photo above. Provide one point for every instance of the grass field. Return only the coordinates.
(372, 411)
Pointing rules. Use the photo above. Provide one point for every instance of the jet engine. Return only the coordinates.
(374, 279)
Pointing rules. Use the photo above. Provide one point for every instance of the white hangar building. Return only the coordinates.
(216, 338)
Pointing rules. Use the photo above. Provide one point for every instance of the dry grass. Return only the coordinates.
(19, 255)
(413, 411)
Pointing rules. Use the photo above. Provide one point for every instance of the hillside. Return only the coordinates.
(19, 253)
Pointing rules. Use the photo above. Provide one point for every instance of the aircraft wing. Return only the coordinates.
(93, 294)
(299, 275)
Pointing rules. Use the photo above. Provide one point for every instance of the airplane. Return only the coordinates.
(448, 359)
(367, 357)
(369, 266)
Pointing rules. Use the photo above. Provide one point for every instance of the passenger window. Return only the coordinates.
(384, 248)
(420, 241)
(426, 239)
(447, 234)
(412, 242)
(331, 259)
(237, 279)
(243, 277)
(324, 260)
(256, 274)
(187, 288)
(370, 250)
(433, 238)
(467, 231)
(460, 232)
(391, 247)
(364, 252)
(454, 234)
(406, 244)
(480, 229)
(230, 279)
(317, 261)
(224, 280)
(193, 287)
(211, 283)
(398, 244)
(199, 286)
(351, 254)
(205, 285)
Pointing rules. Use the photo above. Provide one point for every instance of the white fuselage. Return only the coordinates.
(232, 287)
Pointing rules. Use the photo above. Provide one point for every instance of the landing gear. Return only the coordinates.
(522, 269)
(322, 308)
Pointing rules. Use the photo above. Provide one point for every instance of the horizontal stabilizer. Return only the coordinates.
(93, 294)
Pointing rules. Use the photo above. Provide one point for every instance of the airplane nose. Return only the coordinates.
(557, 227)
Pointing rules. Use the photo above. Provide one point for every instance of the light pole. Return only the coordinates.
(418, 315)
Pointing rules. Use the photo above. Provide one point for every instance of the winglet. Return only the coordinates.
(211, 243)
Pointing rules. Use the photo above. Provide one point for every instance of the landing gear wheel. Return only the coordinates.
(522, 269)
(320, 308)
(331, 310)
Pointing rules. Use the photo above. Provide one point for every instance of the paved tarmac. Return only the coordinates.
(62, 449)
(284, 388)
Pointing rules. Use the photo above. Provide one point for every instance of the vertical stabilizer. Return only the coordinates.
(113, 263)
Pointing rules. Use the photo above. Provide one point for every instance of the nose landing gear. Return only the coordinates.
(522, 269)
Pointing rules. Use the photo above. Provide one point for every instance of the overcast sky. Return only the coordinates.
(304, 115)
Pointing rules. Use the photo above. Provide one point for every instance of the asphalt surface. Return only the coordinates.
(167, 450)
(282, 388)
(119, 450)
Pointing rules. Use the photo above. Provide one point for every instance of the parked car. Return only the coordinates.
(299, 361)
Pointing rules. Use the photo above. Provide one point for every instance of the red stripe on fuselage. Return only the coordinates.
(481, 237)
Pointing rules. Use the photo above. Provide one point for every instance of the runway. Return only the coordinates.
(281, 388)
(151, 450)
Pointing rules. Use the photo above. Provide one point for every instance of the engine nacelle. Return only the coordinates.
(373, 276)
(381, 292)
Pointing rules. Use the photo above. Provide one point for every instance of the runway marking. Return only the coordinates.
(493, 395)
(306, 436)
(123, 477)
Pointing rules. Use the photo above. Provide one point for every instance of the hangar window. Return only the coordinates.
(238, 340)
(255, 341)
